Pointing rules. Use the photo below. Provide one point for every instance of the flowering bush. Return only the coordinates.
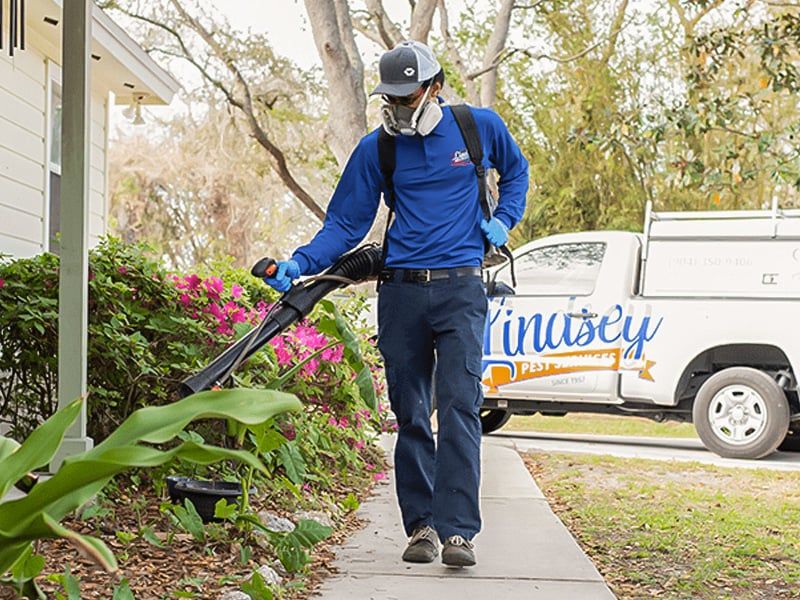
(149, 329)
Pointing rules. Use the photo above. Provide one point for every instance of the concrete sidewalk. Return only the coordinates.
(524, 552)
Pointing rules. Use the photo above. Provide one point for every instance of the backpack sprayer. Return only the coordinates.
(362, 264)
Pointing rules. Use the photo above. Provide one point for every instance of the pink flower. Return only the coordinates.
(236, 290)
(224, 329)
(333, 355)
(2, 283)
(332, 421)
(217, 311)
(123, 270)
(193, 281)
(370, 467)
(379, 475)
(214, 287)
(359, 445)
(281, 352)
(185, 299)
(306, 487)
(309, 337)
(343, 422)
(238, 316)
(310, 367)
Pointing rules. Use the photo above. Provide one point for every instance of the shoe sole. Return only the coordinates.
(458, 561)
(420, 558)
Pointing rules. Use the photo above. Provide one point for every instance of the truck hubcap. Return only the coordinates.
(737, 414)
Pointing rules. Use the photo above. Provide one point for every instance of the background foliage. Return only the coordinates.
(692, 104)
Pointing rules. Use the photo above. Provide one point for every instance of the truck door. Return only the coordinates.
(558, 336)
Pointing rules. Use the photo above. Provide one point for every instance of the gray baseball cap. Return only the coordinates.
(405, 67)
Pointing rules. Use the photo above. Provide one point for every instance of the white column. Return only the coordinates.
(74, 247)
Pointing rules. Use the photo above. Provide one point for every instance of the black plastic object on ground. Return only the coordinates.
(204, 495)
(361, 264)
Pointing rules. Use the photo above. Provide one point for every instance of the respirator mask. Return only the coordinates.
(401, 119)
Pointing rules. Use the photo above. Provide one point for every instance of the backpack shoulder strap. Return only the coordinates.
(472, 138)
(469, 131)
(387, 160)
(387, 157)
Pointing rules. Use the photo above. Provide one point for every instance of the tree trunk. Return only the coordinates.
(333, 36)
(495, 45)
(421, 20)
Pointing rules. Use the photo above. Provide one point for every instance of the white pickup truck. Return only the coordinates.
(697, 319)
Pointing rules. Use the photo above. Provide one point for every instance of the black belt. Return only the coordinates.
(426, 275)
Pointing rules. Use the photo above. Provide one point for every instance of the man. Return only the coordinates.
(432, 304)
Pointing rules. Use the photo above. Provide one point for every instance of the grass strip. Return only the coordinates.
(679, 530)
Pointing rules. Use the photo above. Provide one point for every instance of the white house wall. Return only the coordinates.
(97, 171)
(23, 176)
(22, 152)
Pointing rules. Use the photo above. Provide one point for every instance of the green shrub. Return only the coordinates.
(149, 329)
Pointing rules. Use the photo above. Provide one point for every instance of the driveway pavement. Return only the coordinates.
(669, 449)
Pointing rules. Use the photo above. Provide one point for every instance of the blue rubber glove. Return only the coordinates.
(288, 270)
(495, 231)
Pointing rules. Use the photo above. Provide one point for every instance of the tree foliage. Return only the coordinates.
(692, 104)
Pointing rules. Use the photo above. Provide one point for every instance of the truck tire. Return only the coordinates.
(493, 419)
(741, 412)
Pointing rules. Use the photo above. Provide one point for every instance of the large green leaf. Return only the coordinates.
(78, 480)
(39, 448)
(293, 462)
(338, 327)
(7, 446)
(159, 424)
(80, 477)
(366, 387)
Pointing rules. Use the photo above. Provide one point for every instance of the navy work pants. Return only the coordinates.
(421, 327)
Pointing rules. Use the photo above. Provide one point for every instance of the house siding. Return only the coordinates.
(22, 152)
(23, 156)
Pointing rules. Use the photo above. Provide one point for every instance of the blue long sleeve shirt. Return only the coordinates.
(437, 212)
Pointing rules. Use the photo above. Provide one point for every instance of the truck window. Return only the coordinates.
(559, 270)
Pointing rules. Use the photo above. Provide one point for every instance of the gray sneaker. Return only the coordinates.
(423, 547)
(458, 552)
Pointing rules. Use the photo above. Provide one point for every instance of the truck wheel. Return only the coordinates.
(493, 419)
(741, 412)
(791, 443)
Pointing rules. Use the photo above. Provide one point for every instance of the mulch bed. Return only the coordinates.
(184, 567)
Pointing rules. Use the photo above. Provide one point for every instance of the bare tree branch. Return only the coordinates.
(690, 23)
(257, 131)
(333, 37)
(362, 22)
(422, 20)
(389, 32)
(454, 55)
(346, 28)
(494, 47)
(616, 27)
(527, 52)
(533, 6)
(246, 106)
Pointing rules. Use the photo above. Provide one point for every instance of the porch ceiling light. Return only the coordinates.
(134, 110)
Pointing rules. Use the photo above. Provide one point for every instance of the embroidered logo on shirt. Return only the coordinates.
(460, 159)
